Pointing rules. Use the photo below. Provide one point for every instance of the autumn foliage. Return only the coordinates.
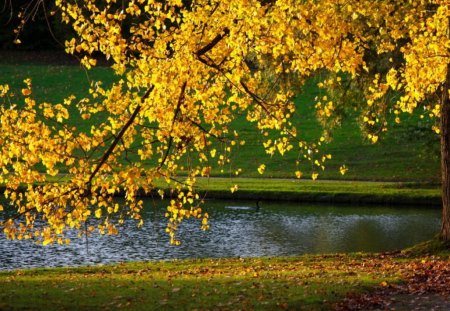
(186, 70)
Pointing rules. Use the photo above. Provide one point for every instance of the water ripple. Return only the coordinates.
(238, 230)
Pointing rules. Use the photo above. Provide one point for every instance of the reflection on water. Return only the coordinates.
(239, 229)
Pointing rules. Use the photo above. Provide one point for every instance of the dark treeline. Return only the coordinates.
(42, 30)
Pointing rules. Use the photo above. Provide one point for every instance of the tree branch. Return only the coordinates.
(204, 130)
(256, 98)
(177, 110)
(111, 148)
(213, 43)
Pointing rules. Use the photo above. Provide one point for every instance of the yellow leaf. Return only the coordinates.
(234, 188)
(161, 193)
(26, 92)
(261, 169)
(98, 213)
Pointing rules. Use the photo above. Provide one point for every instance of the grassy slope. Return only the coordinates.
(300, 283)
(407, 152)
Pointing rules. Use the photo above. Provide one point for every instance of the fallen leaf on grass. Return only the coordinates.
(426, 277)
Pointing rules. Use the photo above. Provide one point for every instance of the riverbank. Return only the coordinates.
(322, 191)
(308, 191)
(310, 282)
(317, 191)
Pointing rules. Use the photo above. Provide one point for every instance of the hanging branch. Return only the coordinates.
(260, 102)
(213, 43)
(208, 62)
(177, 110)
(118, 138)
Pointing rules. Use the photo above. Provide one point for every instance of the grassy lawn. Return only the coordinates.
(206, 284)
(312, 282)
(322, 191)
(303, 190)
(254, 283)
(408, 152)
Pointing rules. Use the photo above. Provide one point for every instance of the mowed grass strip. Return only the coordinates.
(301, 190)
(321, 191)
(298, 190)
(409, 151)
(307, 282)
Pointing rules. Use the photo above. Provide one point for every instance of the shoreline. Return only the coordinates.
(333, 198)
(319, 191)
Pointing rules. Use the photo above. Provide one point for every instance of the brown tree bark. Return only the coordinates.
(445, 158)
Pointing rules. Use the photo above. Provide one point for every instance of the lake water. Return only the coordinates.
(238, 229)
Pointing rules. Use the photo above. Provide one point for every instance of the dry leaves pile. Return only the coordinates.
(426, 287)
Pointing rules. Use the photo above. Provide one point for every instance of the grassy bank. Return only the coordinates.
(300, 190)
(407, 152)
(300, 283)
(321, 191)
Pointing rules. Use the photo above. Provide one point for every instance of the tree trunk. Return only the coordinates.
(445, 158)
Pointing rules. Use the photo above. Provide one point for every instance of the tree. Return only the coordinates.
(185, 70)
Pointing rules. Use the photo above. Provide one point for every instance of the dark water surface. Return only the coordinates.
(239, 230)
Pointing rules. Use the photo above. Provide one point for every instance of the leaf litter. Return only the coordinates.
(426, 287)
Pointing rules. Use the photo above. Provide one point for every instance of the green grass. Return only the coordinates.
(408, 152)
(307, 282)
(427, 248)
(322, 191)
(310, 282)
(301, 190)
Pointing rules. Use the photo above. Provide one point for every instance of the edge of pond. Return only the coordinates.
(323, 197)
(417, 196)
(354, 192)
(350, 198)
